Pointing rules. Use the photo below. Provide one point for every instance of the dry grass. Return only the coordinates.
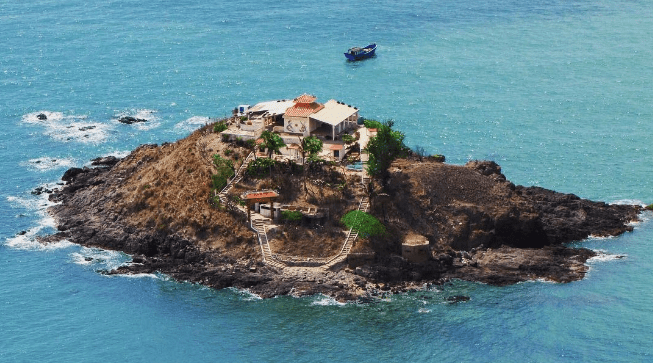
(168, 188)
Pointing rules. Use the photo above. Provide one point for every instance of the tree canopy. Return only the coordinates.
(384, 148)
(364, 223)
(273, 142)
(311, 145)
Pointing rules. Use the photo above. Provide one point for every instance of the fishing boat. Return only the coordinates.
(358, 53)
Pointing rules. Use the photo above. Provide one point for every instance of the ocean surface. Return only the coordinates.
(558, 92)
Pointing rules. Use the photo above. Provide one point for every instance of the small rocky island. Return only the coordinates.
(268, 214)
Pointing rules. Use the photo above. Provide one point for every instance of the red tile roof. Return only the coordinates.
(305, 98)
(335, 147)
(260, 195)
(296, 111)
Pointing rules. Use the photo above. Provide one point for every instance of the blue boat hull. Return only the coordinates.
(355, 54)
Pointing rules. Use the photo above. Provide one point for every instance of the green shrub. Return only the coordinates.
(438, 158)
(348, 139)
(250, 144)
(225, 170)
(372, 124)
(364, 223)
(243, 118)
(219, 126)
(260, 167)
(291, 215)
(227, 152)
(649, 207)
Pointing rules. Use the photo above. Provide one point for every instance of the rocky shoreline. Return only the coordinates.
(499, 246)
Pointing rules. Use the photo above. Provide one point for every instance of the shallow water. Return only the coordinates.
(556, 92)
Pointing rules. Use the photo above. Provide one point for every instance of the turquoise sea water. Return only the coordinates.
(557, 92)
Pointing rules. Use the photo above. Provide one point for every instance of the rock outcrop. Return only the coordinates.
(130, 120)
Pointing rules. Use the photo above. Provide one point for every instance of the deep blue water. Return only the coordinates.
(557, 92)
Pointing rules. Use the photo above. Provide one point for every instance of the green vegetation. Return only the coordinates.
(260, 167)
(250, 144)
(220, 126)
(384, 148)
(649, 207)
(348, 139)
(227, 152)
(372, 124)
(273, 142)
(438, 157)
(311, 145)
(225, 170)
(291, 215)
(365, 224)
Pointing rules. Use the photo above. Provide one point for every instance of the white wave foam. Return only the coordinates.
(327, 301)
(152, 121)
(119, 153)
(245, 294)
(139, 276)
(192, 123)
(603, 256)
(69, 128)
(628, 202)
(84, 132)
(39, 204)
(100, 259)
(33, 118)
(48, 163)
(423, 311)
(28, 242)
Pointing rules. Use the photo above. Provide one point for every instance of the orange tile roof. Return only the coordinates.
(305, 98)
(336, 147)
(303, 111)
(259, 195)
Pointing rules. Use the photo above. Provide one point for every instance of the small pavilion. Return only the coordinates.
(264, 196)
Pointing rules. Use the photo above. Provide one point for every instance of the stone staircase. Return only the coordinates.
(238, 176)
(258, 225)
(363, 206)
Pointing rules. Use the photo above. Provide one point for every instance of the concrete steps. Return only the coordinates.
(238, 176)
(259, 225)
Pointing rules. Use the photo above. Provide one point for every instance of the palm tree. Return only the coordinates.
(273, 142)
(310, 145)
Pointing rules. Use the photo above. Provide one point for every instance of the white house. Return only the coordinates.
(307, 117)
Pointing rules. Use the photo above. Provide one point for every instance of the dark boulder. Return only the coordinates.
(105, 161)
(42, 117)
(71, 173)
(130, 120)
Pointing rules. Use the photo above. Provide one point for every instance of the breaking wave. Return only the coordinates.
(69, 128)
(192, 123)
(48, 163)
(152, 121)
(100, 259)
